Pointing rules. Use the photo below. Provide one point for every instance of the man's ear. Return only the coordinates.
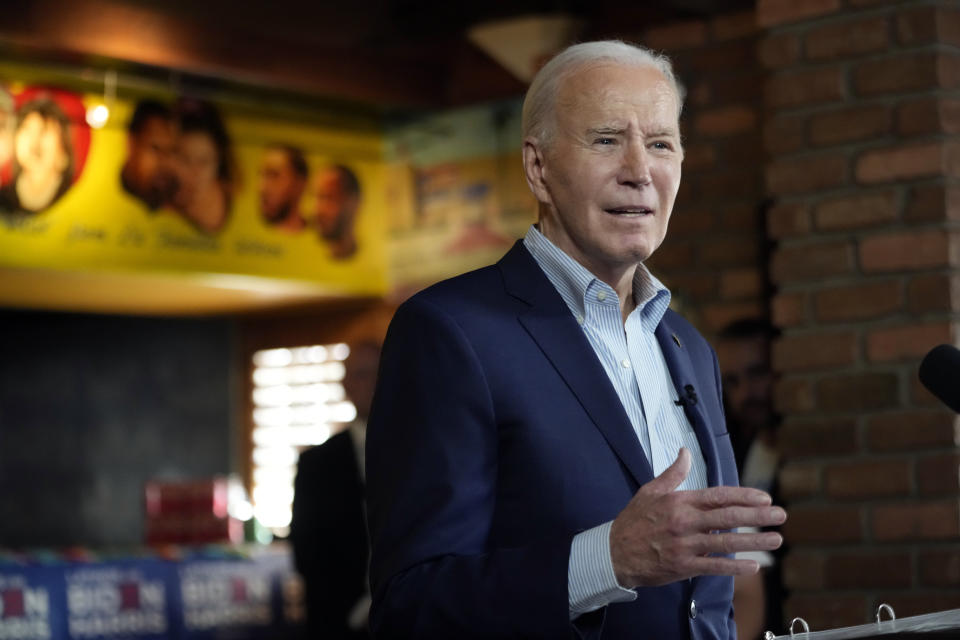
(534, 169)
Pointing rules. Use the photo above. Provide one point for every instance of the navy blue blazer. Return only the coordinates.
(496, 436)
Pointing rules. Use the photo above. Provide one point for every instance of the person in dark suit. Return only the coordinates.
(547, 455)
(328, 530)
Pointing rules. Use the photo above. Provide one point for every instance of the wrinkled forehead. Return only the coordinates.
(606, 83)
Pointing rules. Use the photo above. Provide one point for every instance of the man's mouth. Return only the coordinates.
(630, 211)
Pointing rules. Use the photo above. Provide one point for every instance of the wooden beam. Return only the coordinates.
(145, 35)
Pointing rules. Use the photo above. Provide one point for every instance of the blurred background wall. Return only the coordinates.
(93, 406)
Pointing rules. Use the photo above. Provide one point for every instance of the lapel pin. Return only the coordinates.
(677, 340)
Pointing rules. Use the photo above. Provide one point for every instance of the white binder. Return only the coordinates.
(942, 624)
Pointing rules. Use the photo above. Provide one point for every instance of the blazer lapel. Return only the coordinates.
(680, 365)
(551, 325)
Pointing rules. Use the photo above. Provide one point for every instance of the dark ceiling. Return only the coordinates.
(392, 53)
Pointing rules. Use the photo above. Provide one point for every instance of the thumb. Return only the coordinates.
(672, 476)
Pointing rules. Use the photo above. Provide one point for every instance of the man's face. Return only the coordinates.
(151, 163)
(610, 174)
(331, 201)
(747, 382)
(280, 186)
(38, 145)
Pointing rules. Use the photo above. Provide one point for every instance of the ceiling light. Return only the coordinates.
(98, 114)
(522, 45)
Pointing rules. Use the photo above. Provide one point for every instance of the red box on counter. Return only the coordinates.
(189, 512)
(208, 495)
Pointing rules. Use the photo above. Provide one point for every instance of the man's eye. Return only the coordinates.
(662, 145)
(604, 140)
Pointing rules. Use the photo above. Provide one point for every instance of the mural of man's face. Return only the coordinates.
(331, 201)
(336, 206)
(280, 186)
(151, 163)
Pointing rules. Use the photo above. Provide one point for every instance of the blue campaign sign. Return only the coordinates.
(225, 597)
(243, 594)
(289, 599)
(31, 603)
(120, 599)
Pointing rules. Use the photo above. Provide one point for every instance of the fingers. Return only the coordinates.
(734, 517)
(672, 476)
(722, 567)
(728, 543)
(718, 497)
(663, 535)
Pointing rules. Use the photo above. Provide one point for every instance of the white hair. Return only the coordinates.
(540, 101)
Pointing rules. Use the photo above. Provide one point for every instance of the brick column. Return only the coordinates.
(861, 121)
(715, 253)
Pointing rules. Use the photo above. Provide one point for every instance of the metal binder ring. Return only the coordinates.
(806, 627)
(885, 607)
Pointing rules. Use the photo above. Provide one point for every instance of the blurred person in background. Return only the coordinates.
(743, 349)
(329, 531)
(337, 193)
(150, 172)
(283, 177)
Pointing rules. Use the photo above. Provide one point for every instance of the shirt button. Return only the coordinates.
(579, 319)
(625, 363)
(693, 609)
(601, 296)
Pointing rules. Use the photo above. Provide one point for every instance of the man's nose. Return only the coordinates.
(636, 165)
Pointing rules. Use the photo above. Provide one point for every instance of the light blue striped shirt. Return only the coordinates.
(631, 356)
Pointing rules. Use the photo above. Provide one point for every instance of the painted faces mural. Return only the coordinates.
(181, 158)
(44, 140)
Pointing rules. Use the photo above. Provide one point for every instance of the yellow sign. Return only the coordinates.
(179, 187)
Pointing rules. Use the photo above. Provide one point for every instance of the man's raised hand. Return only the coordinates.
(664, 535)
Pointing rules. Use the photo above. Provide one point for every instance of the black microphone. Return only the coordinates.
(691, 396)
(940, 374)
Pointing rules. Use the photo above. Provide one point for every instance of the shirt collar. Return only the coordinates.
(572, 281)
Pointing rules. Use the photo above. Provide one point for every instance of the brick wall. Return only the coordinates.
(715, 253)
(862, 111)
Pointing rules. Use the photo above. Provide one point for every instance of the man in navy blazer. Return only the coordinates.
(547, 455)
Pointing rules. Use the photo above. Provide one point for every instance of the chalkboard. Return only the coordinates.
(91, 406)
